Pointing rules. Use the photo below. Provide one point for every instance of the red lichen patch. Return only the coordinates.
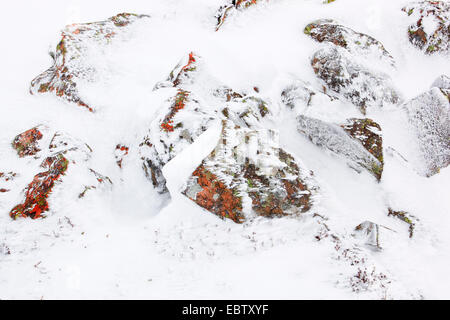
(26, 142)
(180, 102)
(2, 190)
(438, 40)
(121, 152)
(40, 188)
(216, 197)
(190, 66)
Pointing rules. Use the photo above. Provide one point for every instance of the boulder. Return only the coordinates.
(360, 44)
(247, 174)
(359, 141)
(351, 80)
(430, 27)
(429, 116)
(69, 61)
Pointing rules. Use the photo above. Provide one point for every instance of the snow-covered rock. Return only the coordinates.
(359, 44)
(351, 80)
(58, 153)
(430, 30)
(248, 173)
(429, 115)
(71, 63)
(359, 141)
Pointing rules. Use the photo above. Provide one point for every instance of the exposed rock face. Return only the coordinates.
(355, 82)
(120, 153)
(39, 189)
(197, 101)
(429, 114)
(234, 5)
(359, 141)
(60, 153)
(368, 132)
(180, 121)
(69, 59)
(326, 30)
(248, 173)
(26, 143)
(430, 30)
(406, 217)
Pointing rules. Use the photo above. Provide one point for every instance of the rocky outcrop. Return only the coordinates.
(233, 5)
(185, 116)
(430, 30)
(359, 141)
(329, 31)
(58, 152)
(247, 173)
(429, 115)
(405, 217)
(38, 190)
(26, 143)
(353, 81)
(70, 65)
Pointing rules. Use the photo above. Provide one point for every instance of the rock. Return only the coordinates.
(356, 43)
(359, 141)
(120, 153)
(406, 217)
(430, 30)
(70, 65)
(443, 83)
(198, 100)
(234, 5)
(39, 189)
(298, 93)
(63, 152)
(356, 83)
(26, 143)
(369, 232)
(368, 132)
(429, 115)
(247, 173)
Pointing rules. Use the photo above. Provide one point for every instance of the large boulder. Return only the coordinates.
(247, 174)
(429, 115)
(430, 27)
(329, 31)
(351, 80)
(70, 60)
(359, 141)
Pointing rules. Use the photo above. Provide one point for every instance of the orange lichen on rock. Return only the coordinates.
(40, 188)
(185, 69)
(26, 142)
(216, 197)
(121, 152)
(180, 102)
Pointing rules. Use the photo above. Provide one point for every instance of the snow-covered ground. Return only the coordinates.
(131, 242)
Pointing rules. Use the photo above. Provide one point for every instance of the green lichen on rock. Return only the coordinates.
(406, 217)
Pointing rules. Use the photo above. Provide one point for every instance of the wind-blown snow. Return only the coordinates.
(131, 242)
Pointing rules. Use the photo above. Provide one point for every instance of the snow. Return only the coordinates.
(131, 242)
